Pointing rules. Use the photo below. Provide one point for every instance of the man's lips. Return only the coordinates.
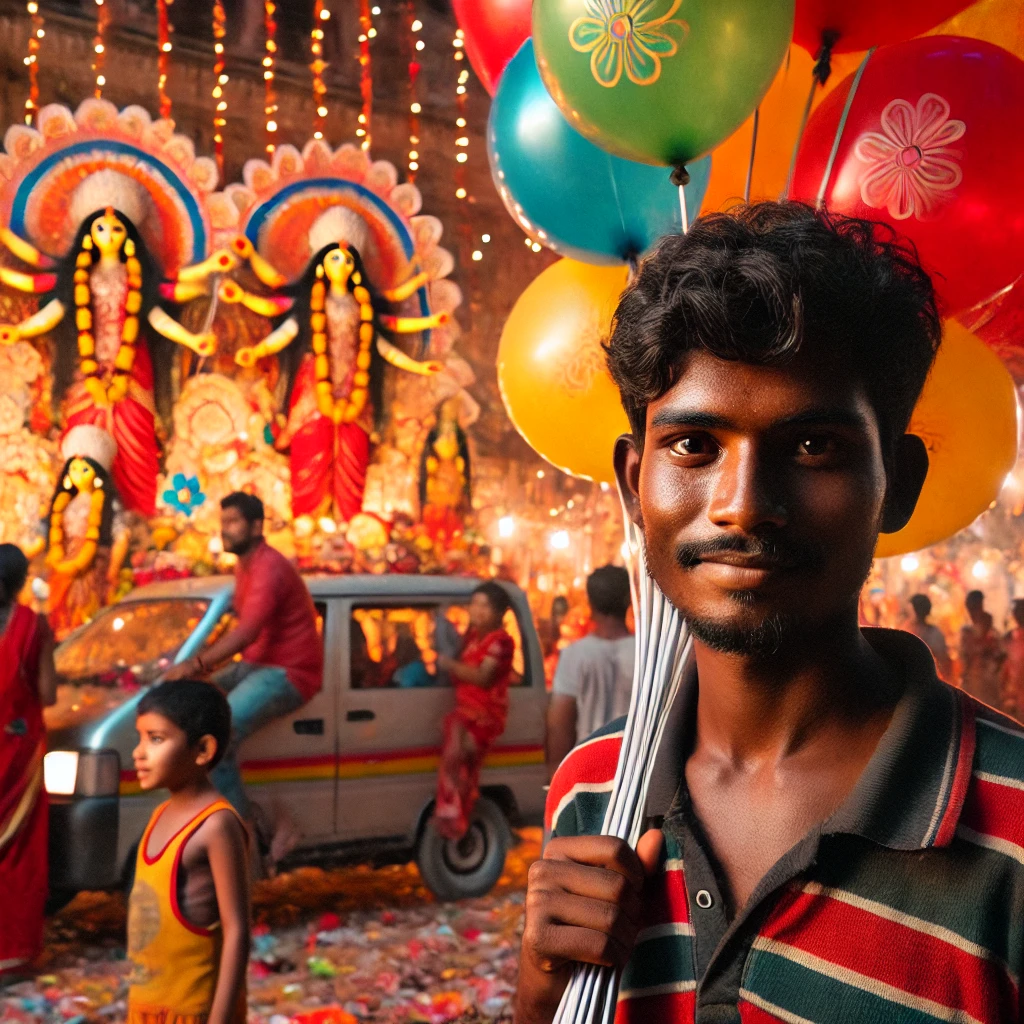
(737, 560)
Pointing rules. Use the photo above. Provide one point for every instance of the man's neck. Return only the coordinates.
(608, 627)
(765, 707)
(244, 558)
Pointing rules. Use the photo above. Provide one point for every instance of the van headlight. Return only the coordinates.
(82, 772)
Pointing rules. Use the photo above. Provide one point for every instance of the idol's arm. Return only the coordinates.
(33, 284)
(223, 261)
(263, 305)
(273, 343)
(163, 323)
(397, 358)
(403, 291)
(24, 251)
(412, 324)
(38, 323)
(263, 269)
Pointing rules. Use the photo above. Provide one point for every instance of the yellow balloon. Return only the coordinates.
(967, 417)
(551, 368)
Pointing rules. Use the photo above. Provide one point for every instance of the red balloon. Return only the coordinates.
(860, 24)
(494, 30)
(932, 145)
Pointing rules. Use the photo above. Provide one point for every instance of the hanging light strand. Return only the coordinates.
(220, 112)
(35, 38)
(321, 15)
(164, 47)
(366, 33)
(99, 46)
(269, 60)
(461, 135)
(416, 47)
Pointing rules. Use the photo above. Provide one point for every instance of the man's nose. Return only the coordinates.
(746, 492)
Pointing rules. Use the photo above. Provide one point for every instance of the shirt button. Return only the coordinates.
(704, 899)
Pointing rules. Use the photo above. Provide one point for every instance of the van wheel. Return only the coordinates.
(470, 867)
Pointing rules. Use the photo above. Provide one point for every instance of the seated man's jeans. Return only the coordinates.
(258, 694)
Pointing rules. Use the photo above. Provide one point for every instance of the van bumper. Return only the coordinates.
(83, 843)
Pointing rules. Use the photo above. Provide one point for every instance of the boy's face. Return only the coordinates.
(761, 492)
(163, 757)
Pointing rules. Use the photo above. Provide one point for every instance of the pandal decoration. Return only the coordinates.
(84, 559)
(663, 647)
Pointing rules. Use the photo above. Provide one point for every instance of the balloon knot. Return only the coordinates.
(823, 58)
(680, 176)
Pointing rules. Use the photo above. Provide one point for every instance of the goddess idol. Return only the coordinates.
(107, 224)
(365, 271)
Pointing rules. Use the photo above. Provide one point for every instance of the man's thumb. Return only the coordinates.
(649, 850)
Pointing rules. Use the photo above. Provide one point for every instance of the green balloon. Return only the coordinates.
(660, 81)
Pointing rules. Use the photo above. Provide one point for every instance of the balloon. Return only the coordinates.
(932, 145)
(780, 113)
(494, 30)
(967, 417)
(551, 368)
(859, 24)
(657, 80)
(566, 192)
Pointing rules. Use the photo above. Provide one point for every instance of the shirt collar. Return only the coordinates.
(912, 791)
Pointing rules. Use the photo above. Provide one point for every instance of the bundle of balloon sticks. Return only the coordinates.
(662, 648)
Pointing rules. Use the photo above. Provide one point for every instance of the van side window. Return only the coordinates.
(396, 646)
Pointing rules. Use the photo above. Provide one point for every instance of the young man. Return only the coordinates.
(282, 653)
(188, 917)
(843, 836)
(594, 678)
(930, 634)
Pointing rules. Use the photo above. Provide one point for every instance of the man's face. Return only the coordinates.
(760, 493)
(237, 534)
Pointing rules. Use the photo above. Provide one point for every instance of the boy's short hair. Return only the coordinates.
(496, 596)
(608, 591)
(250, 507)
(199, 709)
(764, 281)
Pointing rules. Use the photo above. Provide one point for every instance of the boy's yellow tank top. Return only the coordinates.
(174, 962)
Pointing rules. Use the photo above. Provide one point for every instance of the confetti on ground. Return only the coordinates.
(353, 945)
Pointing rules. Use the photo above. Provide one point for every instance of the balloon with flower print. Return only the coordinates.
(659, 81)
(931, 144)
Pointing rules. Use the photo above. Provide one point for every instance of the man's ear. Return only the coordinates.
(257, 528)
(909, 469)
(627, 472)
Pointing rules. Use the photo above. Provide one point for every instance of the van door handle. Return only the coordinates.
(308, 726)
(362, 715)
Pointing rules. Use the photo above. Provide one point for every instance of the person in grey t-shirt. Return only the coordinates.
(594, 677)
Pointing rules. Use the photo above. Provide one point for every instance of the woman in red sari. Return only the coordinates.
(481, 674)
(28, 682)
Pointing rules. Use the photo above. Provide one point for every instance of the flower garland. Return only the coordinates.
(343, 410)
(84, 559)
(104, 395)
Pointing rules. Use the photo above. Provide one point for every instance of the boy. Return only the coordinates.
(188, 918)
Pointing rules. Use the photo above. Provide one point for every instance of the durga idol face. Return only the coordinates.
(339, 267)
(81, 474)
(109, 234)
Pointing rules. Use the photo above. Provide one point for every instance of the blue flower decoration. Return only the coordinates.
(186, 496)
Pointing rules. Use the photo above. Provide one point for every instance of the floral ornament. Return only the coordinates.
(186, 496)
(911, 167)
(630, 33)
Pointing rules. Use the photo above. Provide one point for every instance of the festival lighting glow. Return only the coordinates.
(35, 37)
(269, 75)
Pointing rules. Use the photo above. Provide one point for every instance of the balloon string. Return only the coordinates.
(682, 210)
(681, 177)
(799, 138)
(841, 127)
(819, 76)
(753, 153)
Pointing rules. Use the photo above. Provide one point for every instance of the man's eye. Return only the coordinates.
(694, 445)
(815, 447)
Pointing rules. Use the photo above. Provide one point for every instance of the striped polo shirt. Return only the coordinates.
(906, 905)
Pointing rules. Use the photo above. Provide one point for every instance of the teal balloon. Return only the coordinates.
(662, 81)
(569, 194)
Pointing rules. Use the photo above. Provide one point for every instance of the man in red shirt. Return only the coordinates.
(282, 653)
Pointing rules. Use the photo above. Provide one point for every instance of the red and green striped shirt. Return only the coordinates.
(906, 905)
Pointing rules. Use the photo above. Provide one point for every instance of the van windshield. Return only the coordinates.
(130, 644)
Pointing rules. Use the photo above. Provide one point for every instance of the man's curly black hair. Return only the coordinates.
(761, 282)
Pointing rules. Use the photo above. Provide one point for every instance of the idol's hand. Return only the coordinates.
(10, 334)
(230, 292)
(246, 357)
(583, 905)
(206, 344)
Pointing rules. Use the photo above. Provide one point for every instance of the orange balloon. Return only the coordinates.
(967, 417)
(551, 368)
(996, 21)
(779, 123)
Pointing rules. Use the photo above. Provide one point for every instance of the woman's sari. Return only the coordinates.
(23, 806)
(477, 721)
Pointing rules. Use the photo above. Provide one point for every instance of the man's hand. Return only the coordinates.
(189, 669)
(444, 663)
(583, 904)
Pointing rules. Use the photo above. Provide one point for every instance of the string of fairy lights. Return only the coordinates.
(416, 46)
(35, 39)
(99, 47)
(364, 132)
(220, 113)
(164, 48)
(321, 15)
(269, 75)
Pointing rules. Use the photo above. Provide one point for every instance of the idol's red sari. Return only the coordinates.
(23, 807)
(477, 721)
